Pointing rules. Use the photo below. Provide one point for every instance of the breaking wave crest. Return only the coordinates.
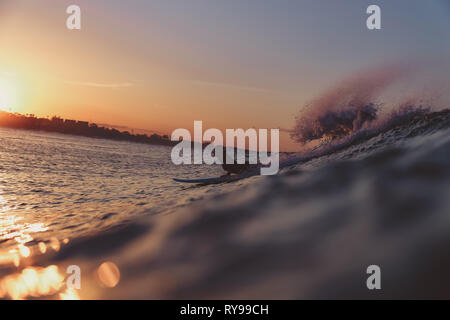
(347, 107)
(352, 113)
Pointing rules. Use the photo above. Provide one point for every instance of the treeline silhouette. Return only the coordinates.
(74, 127)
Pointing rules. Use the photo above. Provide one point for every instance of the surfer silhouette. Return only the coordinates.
(234, 168)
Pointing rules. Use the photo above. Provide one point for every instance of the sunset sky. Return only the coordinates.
(161, 65)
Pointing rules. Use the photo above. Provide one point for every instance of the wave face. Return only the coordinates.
(376, 192)
(376, 197)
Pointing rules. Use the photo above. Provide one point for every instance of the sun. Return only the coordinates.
(8, 95)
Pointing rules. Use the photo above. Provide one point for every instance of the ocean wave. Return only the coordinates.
(405, 122)
(279, 237)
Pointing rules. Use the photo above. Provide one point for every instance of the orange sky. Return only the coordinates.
(97, 76)
(160, 66)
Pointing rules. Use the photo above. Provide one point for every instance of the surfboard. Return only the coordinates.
(237, 177)
(222, 179)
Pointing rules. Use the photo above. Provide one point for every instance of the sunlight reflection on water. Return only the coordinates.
(32, 282)
(58, 187)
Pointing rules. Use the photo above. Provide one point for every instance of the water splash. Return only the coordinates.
(347, 107)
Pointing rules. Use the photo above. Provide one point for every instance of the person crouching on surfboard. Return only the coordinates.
(234, 168)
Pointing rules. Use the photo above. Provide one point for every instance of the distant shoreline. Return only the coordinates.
(78, 128)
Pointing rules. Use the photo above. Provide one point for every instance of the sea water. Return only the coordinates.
(379, 196)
